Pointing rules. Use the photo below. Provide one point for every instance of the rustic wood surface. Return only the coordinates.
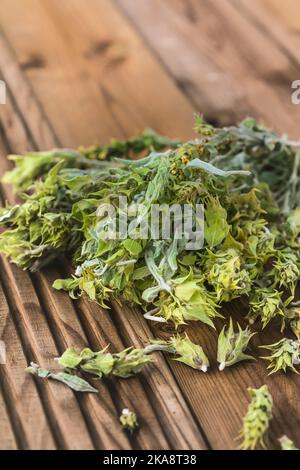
(83, 72)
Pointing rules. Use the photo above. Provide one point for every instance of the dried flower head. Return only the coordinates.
(285, 354)
(189, 353)
(257, 418)
(231, 345)
(128, 420)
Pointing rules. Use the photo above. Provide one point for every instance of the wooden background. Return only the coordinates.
(81, 72)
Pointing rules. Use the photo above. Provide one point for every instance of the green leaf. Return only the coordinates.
(70, 359)
(199, 164)
(101, 364)
(130, 362)
(73, 381)
(216, 227)
(133, 247)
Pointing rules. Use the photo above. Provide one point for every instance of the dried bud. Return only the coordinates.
(130, 362)
(256, 421)
(231, 345)
(189, 353)
(285, 354)
(128, 420)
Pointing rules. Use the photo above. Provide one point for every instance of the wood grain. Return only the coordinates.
(61, 313)
(280, 24)
(9, 443)
(24, 413)
(159, 381)
(97, 72)
(225, 63)
(36, 330)
(110, 73)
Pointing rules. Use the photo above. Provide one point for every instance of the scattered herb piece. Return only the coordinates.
(128, 420)
(189, 353)
(256, 421)
(285, 354)
(287, 444)
(73, 381)
(130, 362)
(123, 364)
(231, 345)
(99, 363)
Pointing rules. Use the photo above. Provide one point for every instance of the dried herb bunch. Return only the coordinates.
(248, 180)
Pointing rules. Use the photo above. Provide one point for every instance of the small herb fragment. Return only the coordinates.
(231, 345)
(286, 443)
(123, 364)
(128, 420)
(285, 354)
(189, 353)
(73, 381)
(99, 363)
(257, 418)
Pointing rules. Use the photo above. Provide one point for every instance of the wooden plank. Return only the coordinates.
(87, 67)
(60, 404)
(279, 21)
(128, 393)
(152, 435)
(174, 411)
(29, 421)
(42, 340)
(227, 65)
(5, 427)
(286, 14)
(6, 424)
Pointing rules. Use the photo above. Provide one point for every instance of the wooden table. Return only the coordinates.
(81, 72)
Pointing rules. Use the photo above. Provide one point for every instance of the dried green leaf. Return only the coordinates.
(73, 381)
(216, 228)
(130, 362)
